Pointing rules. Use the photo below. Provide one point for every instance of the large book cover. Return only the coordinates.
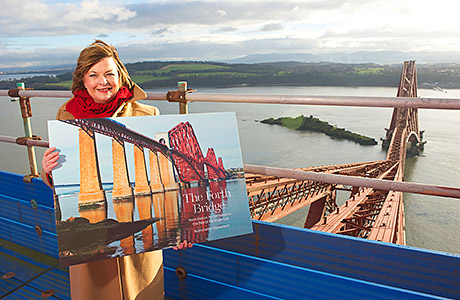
(135, 184)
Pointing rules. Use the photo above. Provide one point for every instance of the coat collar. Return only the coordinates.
(139, 94)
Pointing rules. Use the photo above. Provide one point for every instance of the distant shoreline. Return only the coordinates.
(157, 74)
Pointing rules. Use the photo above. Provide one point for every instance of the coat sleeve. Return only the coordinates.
(134, 109)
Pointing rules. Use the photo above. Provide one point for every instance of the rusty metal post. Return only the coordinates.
(183, 106)
(26, 111)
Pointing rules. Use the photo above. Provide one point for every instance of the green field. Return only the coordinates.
(215, 74)
(187, 68)
(67, 84)
(368, 71)
(144, 78)
(191, 68)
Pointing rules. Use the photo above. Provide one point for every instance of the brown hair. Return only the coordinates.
(93, 54)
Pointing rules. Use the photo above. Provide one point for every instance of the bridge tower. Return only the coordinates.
(406, 118)
(182, 138)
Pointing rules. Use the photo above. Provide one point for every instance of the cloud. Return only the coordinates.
(95, 11)
(202, 50)
(38, 57)
(39, 17)
(221, 13)
(160, 31)
(42, 18)
(272, 27)
(44, 30)
(137, 51)
(228, 29)
(390, 31)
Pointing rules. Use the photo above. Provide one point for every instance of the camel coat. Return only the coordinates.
(138, 276)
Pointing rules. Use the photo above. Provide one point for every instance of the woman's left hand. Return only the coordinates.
(50, 160)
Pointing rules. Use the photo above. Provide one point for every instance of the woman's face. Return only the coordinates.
(102, 80)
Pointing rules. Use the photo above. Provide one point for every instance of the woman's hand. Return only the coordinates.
(183, 245)
(50, 159)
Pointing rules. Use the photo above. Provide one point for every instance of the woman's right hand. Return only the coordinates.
(50, 159)
(183, 245)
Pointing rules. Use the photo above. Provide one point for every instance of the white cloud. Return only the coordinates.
(160, 32)
(37, 17)
(272, 27)
(221, 13)
(208, 29)
(228, 29)
(94, 10)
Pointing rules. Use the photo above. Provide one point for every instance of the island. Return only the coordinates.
(314, 124)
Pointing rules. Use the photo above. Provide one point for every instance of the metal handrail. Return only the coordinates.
(399, 102)
(378, 184)
(23, 141)
(362, 101)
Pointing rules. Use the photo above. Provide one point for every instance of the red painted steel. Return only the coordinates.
(379, 215)
(368, 213)
(215, 170)
(220, 163)
(272, 197)
(211, 160)
(183, 139)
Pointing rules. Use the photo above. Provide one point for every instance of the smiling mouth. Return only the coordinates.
(104, 90)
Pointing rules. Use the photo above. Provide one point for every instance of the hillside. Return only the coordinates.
(157, 74)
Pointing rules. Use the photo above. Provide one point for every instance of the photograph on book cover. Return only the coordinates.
(135, 184)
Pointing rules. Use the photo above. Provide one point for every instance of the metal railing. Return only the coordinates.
(184, 96)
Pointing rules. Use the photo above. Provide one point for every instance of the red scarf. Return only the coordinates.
(82, 105)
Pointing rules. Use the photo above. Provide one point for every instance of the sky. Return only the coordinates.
(53, 32)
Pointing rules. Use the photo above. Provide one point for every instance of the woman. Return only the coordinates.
(102, 88)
